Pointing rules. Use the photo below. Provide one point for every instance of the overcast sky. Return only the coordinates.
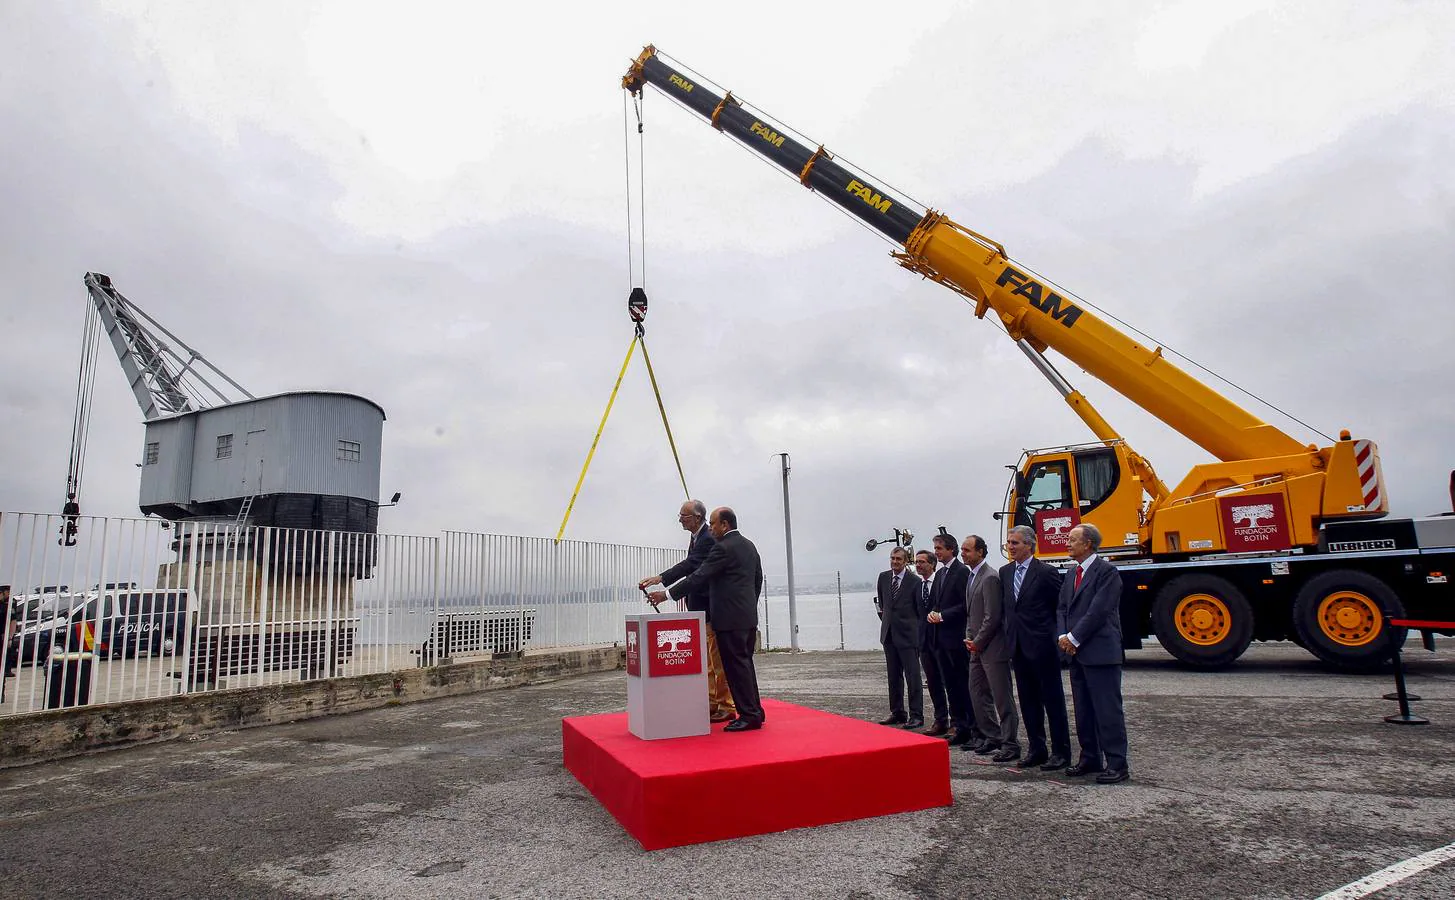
(424, 204)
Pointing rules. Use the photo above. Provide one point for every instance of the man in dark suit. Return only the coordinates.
(732, 577)
(924, 564)
(693, 518)
(899, 628)
(1029, 590)
(991, 696)
(946, 620)
(1088, 619)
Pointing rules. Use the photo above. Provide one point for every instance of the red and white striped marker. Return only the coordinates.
(1366, 462)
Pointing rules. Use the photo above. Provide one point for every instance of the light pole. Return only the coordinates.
(788, 541)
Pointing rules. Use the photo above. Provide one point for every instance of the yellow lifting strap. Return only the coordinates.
(637, 338)
(642, 338)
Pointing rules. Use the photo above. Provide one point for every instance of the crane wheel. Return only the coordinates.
(1203, 620)
(1340, 619)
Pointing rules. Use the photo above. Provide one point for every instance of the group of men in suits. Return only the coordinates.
(982, 637)
(721, 576)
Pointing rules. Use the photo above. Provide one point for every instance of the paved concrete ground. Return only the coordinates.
(1275, 779)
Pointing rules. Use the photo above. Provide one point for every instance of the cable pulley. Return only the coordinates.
(636, 307)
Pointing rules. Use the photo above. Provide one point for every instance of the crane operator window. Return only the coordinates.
(1047, 487)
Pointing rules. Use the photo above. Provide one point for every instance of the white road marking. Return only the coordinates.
(1392, 874)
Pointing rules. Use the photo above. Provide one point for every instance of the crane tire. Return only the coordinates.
(1340, 619)
(1203, 620)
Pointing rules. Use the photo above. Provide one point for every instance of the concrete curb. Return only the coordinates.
(36, 737)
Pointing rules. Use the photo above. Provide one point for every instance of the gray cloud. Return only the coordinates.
(1321, 283)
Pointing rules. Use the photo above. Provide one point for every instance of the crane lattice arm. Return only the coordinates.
(163, 381)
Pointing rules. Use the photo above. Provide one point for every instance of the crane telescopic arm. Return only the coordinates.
(977, 267)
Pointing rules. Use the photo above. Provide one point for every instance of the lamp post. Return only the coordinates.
(788, 541)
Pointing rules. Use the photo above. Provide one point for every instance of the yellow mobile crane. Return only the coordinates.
(1276, 539)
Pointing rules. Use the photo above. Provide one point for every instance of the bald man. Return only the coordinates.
(693, 518)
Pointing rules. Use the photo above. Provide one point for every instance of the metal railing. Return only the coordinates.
(139, 609)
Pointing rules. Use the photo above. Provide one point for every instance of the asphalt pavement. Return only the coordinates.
(1274, 779)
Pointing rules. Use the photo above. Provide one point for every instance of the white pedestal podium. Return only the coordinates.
(666, 675)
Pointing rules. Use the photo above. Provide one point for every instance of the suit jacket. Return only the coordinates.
(985, 616)
(947, 597)
(697, 550)
(922, 607)
(1092, 614)
(1031, 620)
(732, 579)
(899, 619)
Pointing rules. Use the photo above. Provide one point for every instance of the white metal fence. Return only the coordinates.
(138, 609)
(834, 611)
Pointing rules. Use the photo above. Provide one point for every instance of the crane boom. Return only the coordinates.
(162, 381)
(979, 268)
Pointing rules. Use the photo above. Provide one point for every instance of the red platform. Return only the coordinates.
(803, 768)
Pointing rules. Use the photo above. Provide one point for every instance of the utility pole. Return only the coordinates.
(788, 541)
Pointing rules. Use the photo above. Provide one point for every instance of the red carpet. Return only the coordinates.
(803, 768)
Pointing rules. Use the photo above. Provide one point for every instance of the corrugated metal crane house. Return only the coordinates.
(303, 466)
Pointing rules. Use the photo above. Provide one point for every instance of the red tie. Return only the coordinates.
(1077, 586)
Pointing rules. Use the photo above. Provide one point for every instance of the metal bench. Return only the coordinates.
(496, 631)
(251, 647)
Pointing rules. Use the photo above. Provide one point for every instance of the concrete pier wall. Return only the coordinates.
(54, 734)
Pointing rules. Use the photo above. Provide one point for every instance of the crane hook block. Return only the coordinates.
(636, 305)
(71, 514)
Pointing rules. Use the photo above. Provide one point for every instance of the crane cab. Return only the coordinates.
(1053, 491)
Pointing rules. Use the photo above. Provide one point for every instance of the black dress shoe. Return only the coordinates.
(959, 737)
(1005, 756)
(1084, 767)
(742, 725)
(912, 724)
(987, 748)
(1112, 776)
(1030, 760)
(892, 720)
(1054, 763)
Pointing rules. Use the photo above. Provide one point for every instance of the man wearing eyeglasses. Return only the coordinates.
(732, 579)
(693, 518)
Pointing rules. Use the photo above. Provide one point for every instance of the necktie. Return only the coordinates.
(1020, 575)
(1077, 586)
(925, 592)
(894, 593)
